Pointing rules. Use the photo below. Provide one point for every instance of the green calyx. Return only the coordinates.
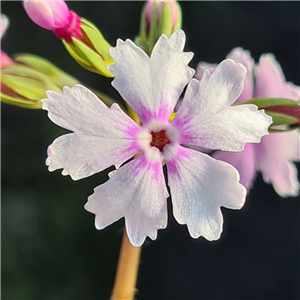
(92, 52)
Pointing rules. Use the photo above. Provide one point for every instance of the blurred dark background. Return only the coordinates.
(50, 248)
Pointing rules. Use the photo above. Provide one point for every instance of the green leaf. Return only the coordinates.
(281, 119)
(268, 102)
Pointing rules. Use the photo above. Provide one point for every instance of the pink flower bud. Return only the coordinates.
(48, 14)
(72, 29)
(5, 60)
(159, 5)
(54, 15)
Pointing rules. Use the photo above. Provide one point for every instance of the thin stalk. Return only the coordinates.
(126, 276)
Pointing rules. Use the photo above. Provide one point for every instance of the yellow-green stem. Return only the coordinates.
(125, 280)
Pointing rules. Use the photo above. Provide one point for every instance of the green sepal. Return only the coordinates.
(25, 103)
(281, 119)
(153, 32)
(21, 70)
(178, 24)
(92, 57)
(165, 22)
(58, 77)
(74, 53)
(26, 87)
(97, 40)
(143, 26)
(269, 102)
(288, 128)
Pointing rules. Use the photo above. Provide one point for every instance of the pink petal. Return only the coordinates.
(274, 156)
(243, 161)
(47, 14)
(239, 55)
(202, 66)
(152, 86)
(102, 136)
(5, 60)
(4, 24)
(199, 186)
(270, 80)
(136, 191)
(242, 56)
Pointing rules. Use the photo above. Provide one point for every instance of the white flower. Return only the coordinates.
(103, 136)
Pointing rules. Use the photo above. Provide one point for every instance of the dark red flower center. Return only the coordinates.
(159, 139)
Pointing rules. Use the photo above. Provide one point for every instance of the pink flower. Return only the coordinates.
(273, 157)
(103, 136)
(54, 15)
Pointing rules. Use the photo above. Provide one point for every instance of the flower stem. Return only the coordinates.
(125, 280)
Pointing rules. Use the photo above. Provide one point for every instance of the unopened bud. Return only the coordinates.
(25, 81)
(92, 52)
(158, 17)
(54, 15)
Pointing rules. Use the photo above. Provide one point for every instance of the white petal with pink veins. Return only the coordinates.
(152, 86)
(136, 191)
(102, 136)
(199, 186)
(205, 117)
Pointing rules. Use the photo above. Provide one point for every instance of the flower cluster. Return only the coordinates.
(174, 115)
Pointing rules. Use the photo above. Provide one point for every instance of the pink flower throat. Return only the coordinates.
(159, 140)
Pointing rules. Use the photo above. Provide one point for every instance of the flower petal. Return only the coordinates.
(206, 118)
(239, 55)
(242, 56)
(152, 86)
(4, 22)
(199, 186)
(213, 92)
(270, 80)
(202, 66)
(102, 136)
(47, 14)
(136, 191)
(243, 161)
(273, 158)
